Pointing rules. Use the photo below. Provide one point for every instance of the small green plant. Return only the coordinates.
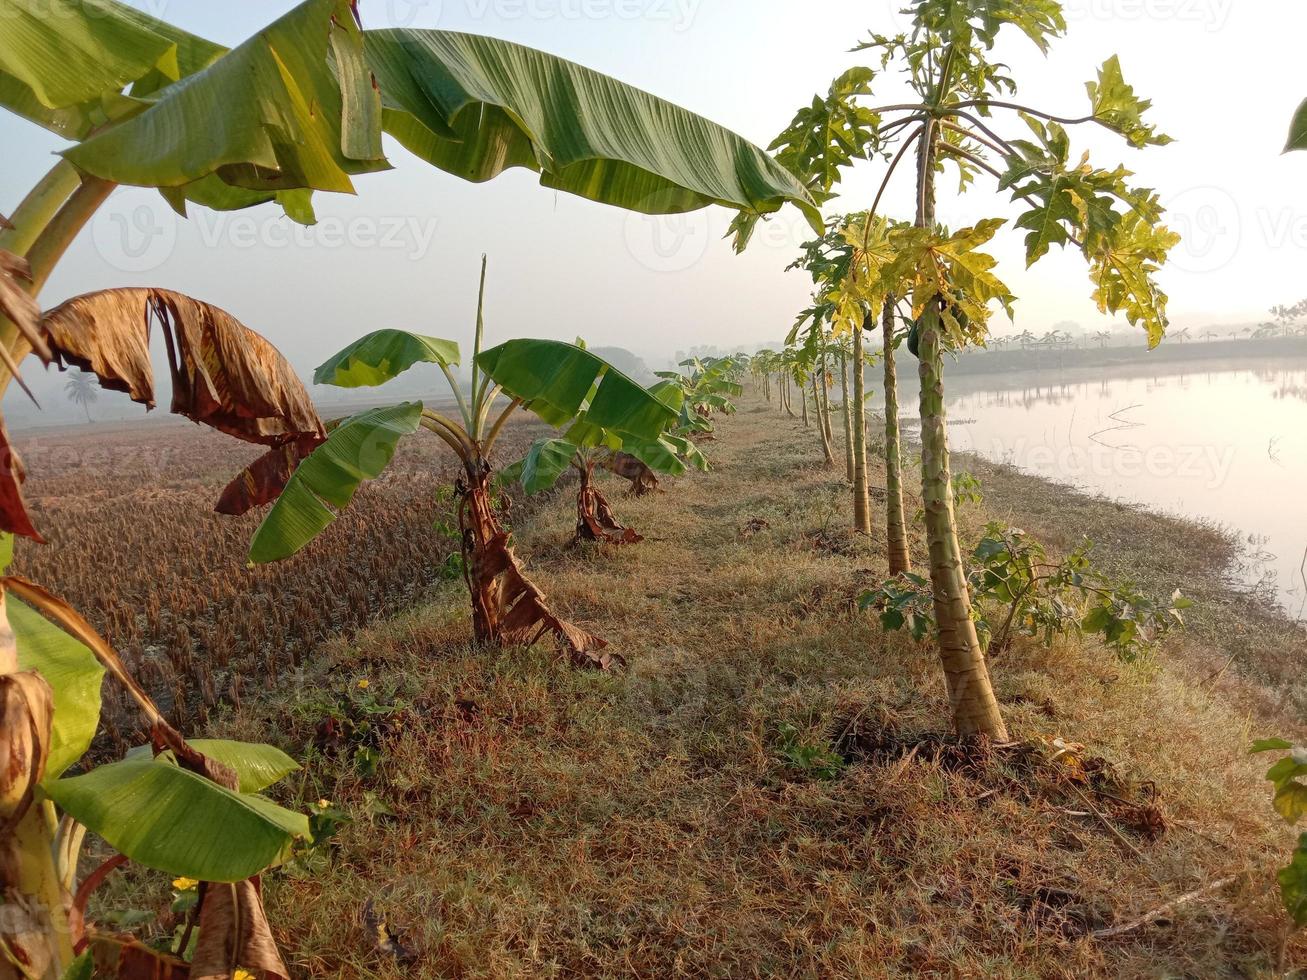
(1020, 591)
(819, 761)
(1290, 802)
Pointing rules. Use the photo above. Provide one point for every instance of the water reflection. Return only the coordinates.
(1226, 446)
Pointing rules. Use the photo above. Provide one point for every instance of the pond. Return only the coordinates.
(1225, 445)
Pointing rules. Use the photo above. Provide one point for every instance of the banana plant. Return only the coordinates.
(561, 383)
(191, 809)
(958, 94)
(301, 106)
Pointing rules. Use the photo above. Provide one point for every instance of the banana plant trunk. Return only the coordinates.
(594, 515)
(971, 695)
(896, 531)
(484, 540)
(34, 929)
(861, 496)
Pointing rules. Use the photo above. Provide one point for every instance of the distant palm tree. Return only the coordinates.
(82, 390)
(1182, 336)
(1103, 336)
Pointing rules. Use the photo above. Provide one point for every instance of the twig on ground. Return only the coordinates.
(1161, 910)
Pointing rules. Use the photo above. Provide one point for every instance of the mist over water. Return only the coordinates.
(1226, 445)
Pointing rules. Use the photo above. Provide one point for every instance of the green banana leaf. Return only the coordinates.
(476, 106)
(64, 66)
(74, 675)
(544, 463)
(381, 355)
(269, 115)
(356, 450)
(257, 766)
(560, 382)
(173, 820)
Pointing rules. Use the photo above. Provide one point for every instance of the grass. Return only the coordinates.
(758, 792)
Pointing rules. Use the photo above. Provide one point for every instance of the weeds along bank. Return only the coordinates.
(763, 789)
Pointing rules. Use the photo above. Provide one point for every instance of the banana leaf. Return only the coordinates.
(356, 450)
(545, 462)
(560, 382)
(173, 820)
(65, 65)
(292, 107)
(382, 355)
(476, 106)
(74, 676)
(257, 766)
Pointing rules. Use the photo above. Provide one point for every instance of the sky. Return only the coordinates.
(1225, 78)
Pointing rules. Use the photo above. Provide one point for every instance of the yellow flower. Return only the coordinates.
(185, 884)
(363, 683)
(323, 804)
(243, 975)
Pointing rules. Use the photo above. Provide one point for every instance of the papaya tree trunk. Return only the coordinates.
(824, 401)
(861, 498)
(848, 418)
(803, 402)
(971, 695)
(896, 532)
(822, 432)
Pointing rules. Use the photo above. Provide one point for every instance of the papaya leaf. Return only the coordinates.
(1293, 883)
(1115, 105)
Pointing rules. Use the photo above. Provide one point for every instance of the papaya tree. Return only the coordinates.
(191, 809)
(827, 260)
(960, 94)
(559, 382)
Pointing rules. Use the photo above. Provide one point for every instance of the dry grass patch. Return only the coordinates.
(705, 812)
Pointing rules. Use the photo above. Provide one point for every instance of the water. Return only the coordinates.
(1228, 446)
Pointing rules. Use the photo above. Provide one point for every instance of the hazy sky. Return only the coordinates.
(1225, 78)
